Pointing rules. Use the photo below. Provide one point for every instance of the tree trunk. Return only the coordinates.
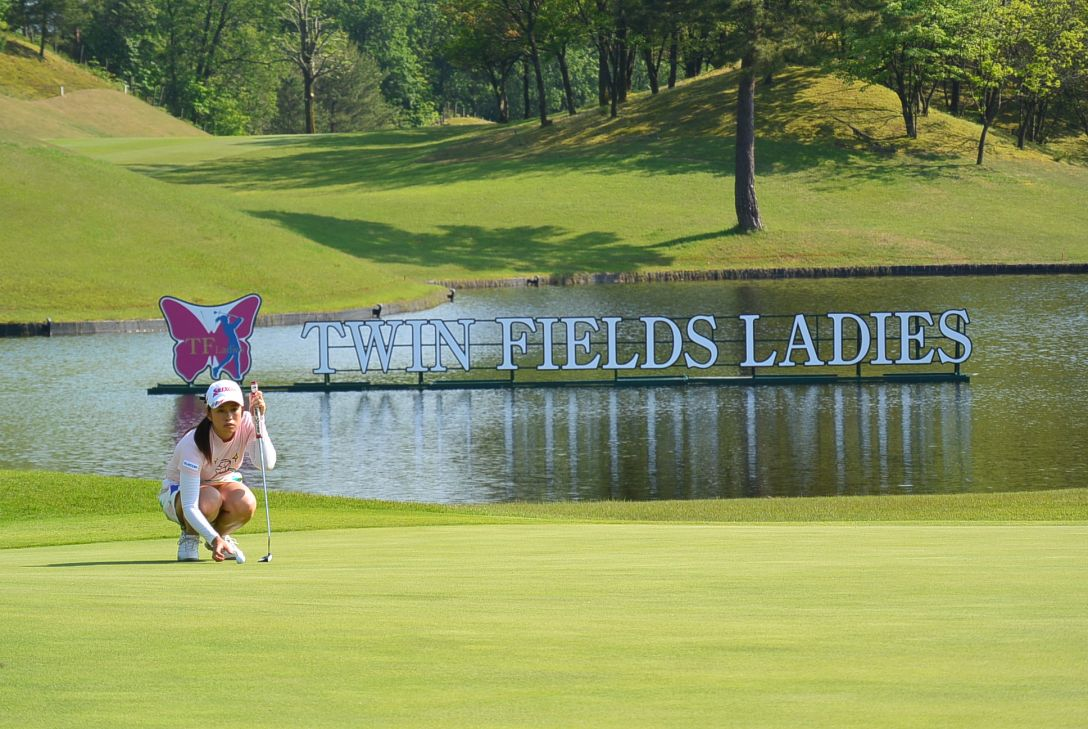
(909, 121)
(616, 76)
(955, 97)
(744, 190)
(308, 83)
(1038, 130)
(568, 92)
(41, 46)
(927, 98)
(991, 105)
(619, 65)
(542, 100)
(496, 78)
(651, 69)
(674, 57)
(604, 80)
(1027, 111)
(629, 75)
(526, 113)
(982, 143)
(908, 93)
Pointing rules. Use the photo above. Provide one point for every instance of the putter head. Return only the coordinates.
(266, 558)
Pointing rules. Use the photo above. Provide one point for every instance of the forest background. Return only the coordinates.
(256, 66)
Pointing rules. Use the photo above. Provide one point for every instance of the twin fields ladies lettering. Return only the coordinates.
(647, 342)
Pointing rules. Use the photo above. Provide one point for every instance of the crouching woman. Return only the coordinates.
(203, 491)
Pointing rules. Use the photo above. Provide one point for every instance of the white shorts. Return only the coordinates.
(170, 490)
(166, 500)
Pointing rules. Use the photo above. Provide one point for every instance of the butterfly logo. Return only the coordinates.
(215, 337)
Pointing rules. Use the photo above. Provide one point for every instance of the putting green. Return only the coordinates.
(557, 625)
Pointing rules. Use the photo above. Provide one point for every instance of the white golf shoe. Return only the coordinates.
(188, 548)
(233, 551)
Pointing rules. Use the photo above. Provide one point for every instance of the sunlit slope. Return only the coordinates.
(25, 76)
(839, 185)
(55, 98)
(90, 113)
(803, 117)
(82, 239)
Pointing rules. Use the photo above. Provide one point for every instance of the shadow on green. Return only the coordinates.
(474, 247)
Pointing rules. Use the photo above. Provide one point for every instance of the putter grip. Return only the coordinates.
(256, 416)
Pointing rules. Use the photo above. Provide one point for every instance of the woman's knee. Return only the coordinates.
(239, 500)
(211, 502)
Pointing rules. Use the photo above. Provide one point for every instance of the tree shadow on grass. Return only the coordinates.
(700, 237)
(536, 248)
(829, 130)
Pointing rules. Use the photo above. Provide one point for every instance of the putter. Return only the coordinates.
(264, 479)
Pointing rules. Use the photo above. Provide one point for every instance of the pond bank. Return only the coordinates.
(50, 328)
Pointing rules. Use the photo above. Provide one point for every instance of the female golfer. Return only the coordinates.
(203, 491)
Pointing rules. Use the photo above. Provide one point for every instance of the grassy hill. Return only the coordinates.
(25, 76)
(83, 239)
(32, 103)
(363, 217)
(90, 113)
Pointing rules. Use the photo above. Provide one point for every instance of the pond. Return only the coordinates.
(79, 404)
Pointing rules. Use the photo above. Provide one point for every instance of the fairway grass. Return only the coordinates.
(962, 610)
(557, 625)
(41, 508)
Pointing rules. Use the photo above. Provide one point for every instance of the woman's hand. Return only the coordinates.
(221, 549)
(256, 403)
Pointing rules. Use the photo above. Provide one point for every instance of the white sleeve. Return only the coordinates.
(265, 444)
(190, 502)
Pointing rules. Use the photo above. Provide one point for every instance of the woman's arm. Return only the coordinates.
(189, 484)
(265, 444)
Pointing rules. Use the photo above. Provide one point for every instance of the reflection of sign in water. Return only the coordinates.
(214, 337)
(650, 343)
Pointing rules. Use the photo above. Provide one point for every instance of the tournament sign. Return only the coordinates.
(214, 338)
(702, 348)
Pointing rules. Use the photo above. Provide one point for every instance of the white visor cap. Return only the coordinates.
(223, 391)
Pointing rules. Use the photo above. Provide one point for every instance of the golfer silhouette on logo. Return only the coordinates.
(234, 348)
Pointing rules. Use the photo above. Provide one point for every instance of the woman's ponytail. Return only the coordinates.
(202, 437)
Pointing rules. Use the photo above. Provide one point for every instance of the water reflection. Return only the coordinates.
(1020, 423)
(643, 443)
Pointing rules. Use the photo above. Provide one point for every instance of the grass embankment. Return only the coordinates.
(83, 239)
(543, 623)
(650, 191)
(25, 76)
(32, 103)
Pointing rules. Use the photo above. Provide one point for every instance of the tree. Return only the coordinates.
(484, 41)
(907, 46)
(607, 22)
(121, 36)
(525, 14)
(1075, 90)
(314, 46)
(765, 33)
(560, 30)
(351, 96)
(5, 8)
(986, 52)
(1050, 44)
(403, 37)
(47, 17)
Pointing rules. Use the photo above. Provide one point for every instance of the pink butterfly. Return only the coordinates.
(215, 337)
